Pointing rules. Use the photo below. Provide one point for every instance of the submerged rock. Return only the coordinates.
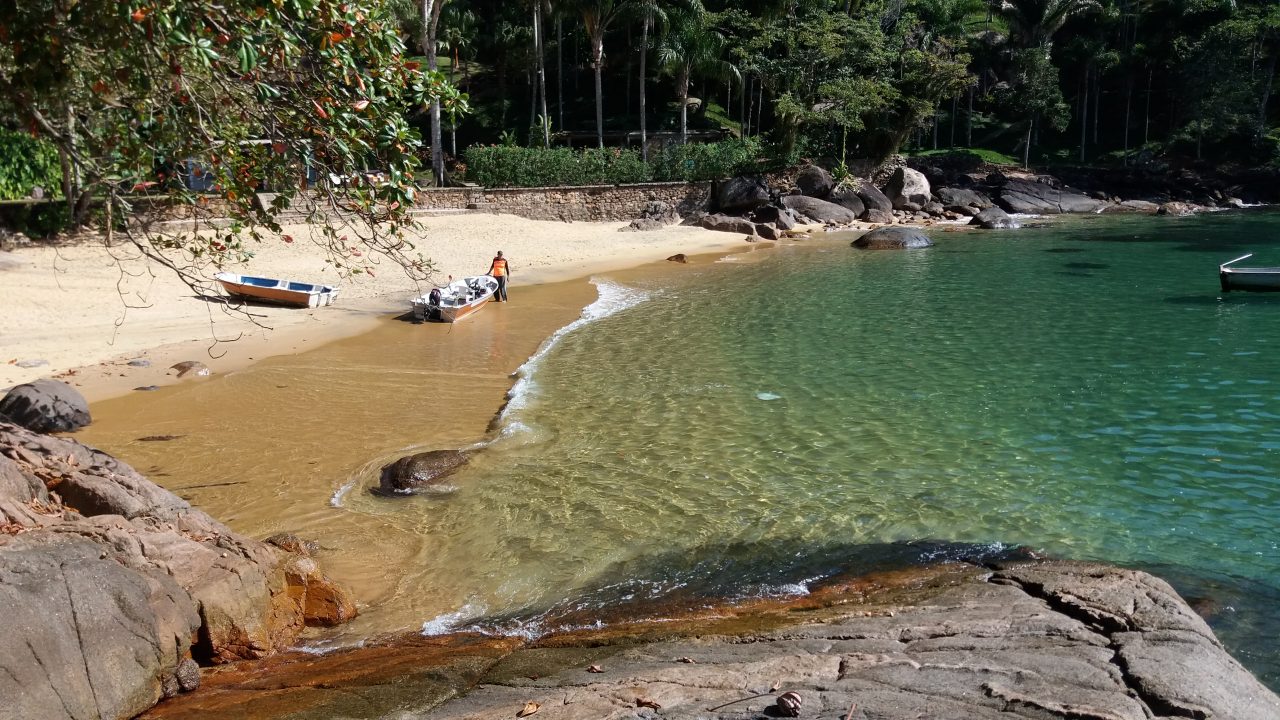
(893, 238)
(415, 473)
(46, 406)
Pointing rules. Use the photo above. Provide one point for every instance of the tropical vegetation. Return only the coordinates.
(131, 96)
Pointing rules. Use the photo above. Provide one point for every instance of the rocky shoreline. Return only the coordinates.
(925, 191)
(117, 594)
(114, 591)
(1021, 639)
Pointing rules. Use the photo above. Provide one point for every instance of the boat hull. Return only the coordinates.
(1250, 280)
(279, 292)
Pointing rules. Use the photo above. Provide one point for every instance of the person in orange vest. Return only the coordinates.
(500, 269)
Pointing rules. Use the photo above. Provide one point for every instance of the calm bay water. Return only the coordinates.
(757, 424)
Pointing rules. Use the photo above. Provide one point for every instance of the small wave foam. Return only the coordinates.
(768, 396)
(454, 621)
(341, 493)
(611, 298)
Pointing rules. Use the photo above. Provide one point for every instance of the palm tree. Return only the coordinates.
(430, 23)
(1033, 23)
(597, 17)
(458, 33)
(693, 46)
(650, 11)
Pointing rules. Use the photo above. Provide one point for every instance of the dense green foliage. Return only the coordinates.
(250, 92)
(505, 166)
(509, 166)
(247, 92)
(26, 163)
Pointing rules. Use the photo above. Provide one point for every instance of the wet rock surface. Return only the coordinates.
(1033, 640)
(417, 473)
(111, 585)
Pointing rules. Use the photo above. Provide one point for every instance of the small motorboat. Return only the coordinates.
(1255, 279)
(455, 301)
(281, 292)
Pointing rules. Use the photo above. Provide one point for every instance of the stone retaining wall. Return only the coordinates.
(613, 203)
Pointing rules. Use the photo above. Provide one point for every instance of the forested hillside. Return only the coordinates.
(120, 92)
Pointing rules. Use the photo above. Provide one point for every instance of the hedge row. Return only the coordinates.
(505, 166)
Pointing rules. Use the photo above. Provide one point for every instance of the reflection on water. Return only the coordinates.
(751, 427)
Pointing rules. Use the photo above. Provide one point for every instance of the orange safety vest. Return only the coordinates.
(499, 267)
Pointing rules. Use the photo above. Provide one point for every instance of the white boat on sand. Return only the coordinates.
(272, 290)
(455, 301)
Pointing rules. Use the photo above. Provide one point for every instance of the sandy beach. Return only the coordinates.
(83, 312)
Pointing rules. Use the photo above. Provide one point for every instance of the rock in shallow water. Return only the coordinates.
(893, 238)
(418, 473)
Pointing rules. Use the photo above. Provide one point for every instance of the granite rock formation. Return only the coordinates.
(1031, 639)
(110, 586)
(46, 406)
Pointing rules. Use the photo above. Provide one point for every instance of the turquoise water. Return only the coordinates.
(754, 425)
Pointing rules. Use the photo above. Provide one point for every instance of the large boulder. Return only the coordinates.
(1038, 198)
(907, 186)
(728, 223)
(879, 207)
(819, 210)
(847, 198)
(893, 238)
(958, 199)
(741, 194)
(86, 636)
(993, 218)
(815, 182)
(421, 472)
(46, 406)
(111, 586)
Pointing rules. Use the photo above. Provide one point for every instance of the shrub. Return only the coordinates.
(707, 161)
(26, 163)
(504, 166)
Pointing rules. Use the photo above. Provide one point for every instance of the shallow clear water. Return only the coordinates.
(752, 425)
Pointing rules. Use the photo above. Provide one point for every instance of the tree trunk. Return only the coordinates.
(542, 73)
(746, 107)
(1146, 120)
(1026, 148)
(684, 105)
(935, 128)
(1128, 104)
(1097, 104)
(968, 131)
(597, 61)
(1266, 93)
(644, 58)
(955, 102)
(430, 23)
(1084, 114)
(560, 68)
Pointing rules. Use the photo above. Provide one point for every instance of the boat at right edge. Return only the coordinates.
(1252, 279)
